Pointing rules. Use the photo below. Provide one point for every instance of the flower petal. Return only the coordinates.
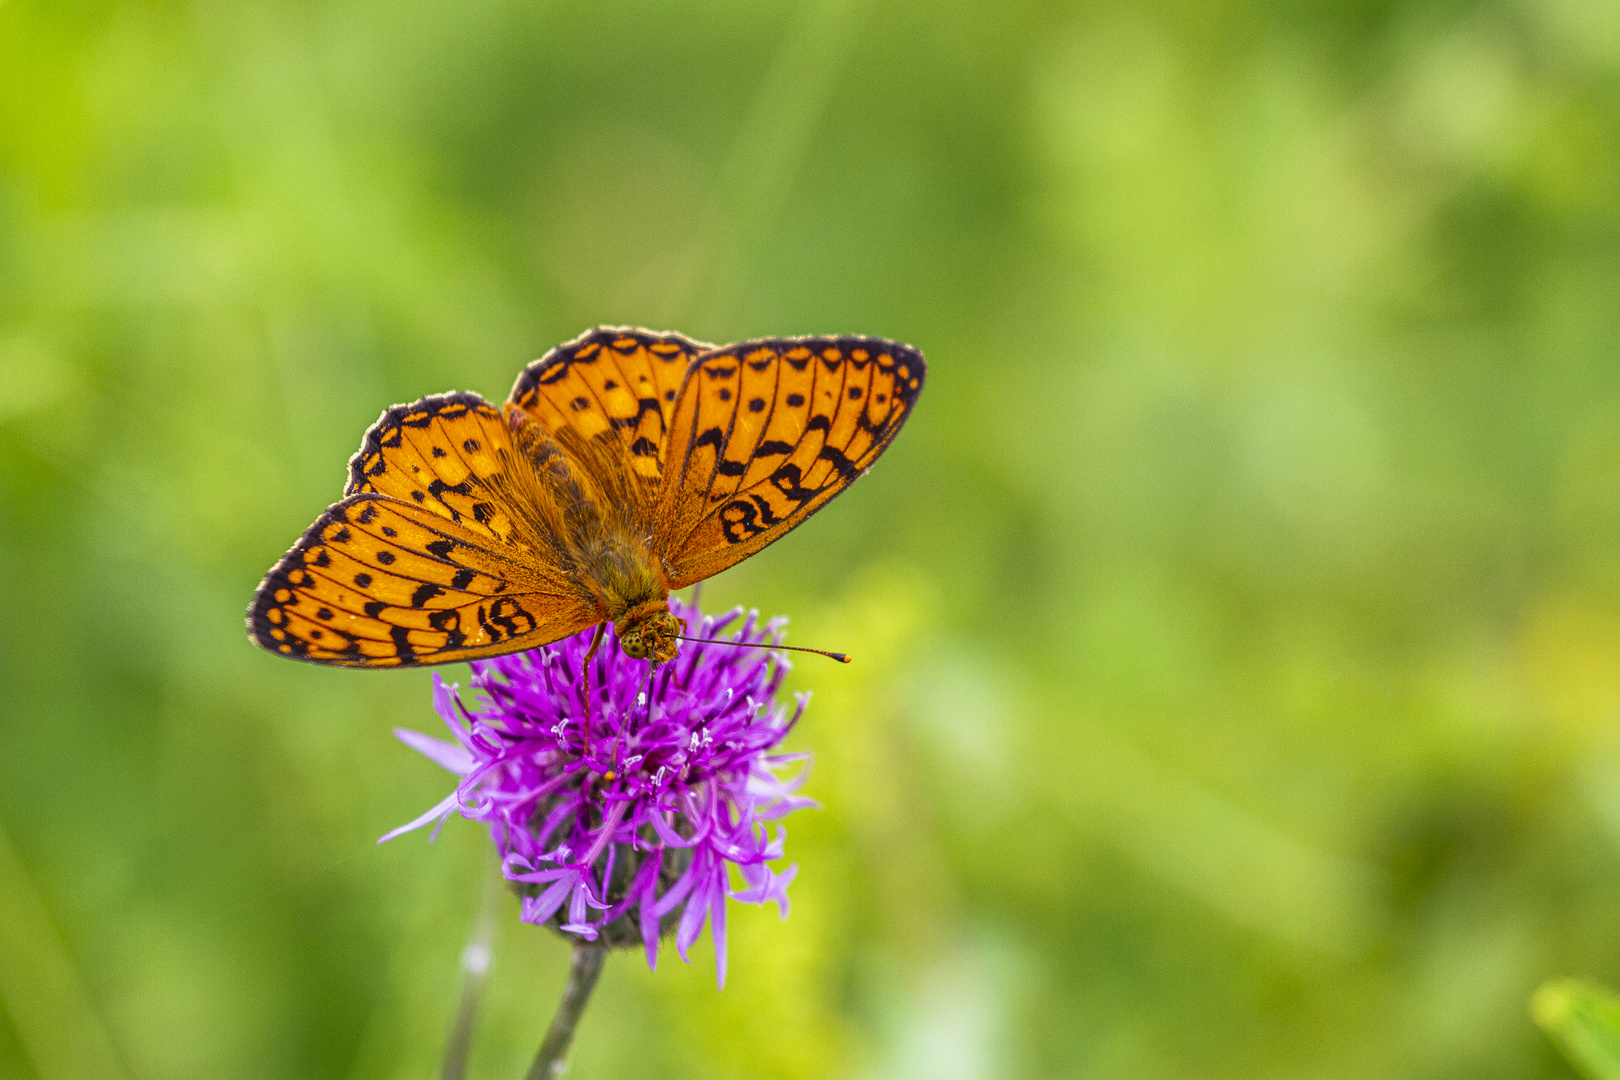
(443, 809)
(691, 924)
(667, 833)
(649, 913)
(717, 928)
(540, 908)
(453, 756)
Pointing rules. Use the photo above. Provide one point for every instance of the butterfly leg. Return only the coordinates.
(585, 675)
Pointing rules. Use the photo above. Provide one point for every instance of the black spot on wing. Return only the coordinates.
(439, 489)
(845, 467)
(643, 407)
(448, 623)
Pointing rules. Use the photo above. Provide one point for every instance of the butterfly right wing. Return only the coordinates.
(765, 433)
(377, 582)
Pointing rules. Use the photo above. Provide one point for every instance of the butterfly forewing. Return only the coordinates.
(377, 582)
(611, 380)
(765, 433)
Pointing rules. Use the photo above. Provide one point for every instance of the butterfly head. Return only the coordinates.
(649, 631)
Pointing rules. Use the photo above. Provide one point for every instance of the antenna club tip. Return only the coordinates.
(842, 658)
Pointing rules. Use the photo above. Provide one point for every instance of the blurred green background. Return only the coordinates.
(1237, 621)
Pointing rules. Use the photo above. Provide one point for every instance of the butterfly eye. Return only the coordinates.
(634, 645)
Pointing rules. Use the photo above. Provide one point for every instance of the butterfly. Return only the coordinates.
(624, 465)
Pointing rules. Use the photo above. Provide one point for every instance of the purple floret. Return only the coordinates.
(624, 828)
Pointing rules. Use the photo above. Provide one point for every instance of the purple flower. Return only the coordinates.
(625, 827)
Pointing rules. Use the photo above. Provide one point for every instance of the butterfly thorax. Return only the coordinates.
(622, 579)
(628, 588)
(593, 526)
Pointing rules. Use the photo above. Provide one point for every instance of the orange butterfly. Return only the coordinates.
(624, 465)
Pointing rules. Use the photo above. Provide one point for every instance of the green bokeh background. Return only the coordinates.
(1237, 621)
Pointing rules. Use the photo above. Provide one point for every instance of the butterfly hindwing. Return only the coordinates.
(377, 582)
(611, 379)
(765, 433)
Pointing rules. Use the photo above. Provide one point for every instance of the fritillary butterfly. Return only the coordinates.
(625, 464)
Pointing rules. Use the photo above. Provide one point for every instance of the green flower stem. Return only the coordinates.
(582, 975)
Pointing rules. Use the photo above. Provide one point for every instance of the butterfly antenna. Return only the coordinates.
(842, 658)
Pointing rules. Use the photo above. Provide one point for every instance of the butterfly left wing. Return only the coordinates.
(765, 433)
(432, 557)
(377, 582)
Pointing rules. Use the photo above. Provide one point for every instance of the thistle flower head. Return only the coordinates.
(619, 818)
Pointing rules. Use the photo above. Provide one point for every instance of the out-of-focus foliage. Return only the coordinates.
(1237, 621)
(1584, 1020)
